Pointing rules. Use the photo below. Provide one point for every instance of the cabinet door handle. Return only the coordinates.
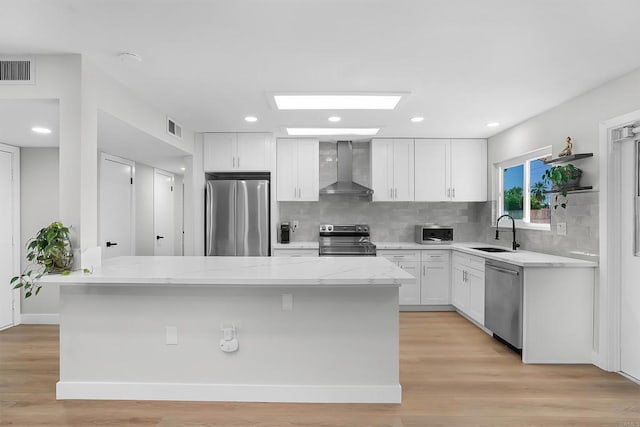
(448, 192)
(396, 196)
(109, 244)
(424, 270)
(238, 162)
(233, 162)
(391, 193)
(453, 193)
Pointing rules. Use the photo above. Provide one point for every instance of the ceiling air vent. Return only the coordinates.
(174, 128)
(17, 70)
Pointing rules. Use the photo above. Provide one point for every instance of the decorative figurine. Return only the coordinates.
(567, 148)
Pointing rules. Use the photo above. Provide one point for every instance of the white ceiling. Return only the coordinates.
(18, 116)
(120, 139)
(466, 63)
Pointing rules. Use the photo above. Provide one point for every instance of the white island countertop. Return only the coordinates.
(241, 271)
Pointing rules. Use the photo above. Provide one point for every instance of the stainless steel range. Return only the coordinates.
(346, 240)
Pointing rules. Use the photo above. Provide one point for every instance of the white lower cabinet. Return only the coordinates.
(467, 285)
(431, 270)
(294, 252)
(409, 261)
(434, 283)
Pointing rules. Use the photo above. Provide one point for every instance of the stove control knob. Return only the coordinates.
(323, 228)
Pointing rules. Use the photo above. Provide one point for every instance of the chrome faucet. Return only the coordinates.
(515, 244)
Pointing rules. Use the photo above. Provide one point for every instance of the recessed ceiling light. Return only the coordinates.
(493, 124)
(417, 119)
(42, 130)
(332, 131)
(183, 169)
(334, 119)
(251, 119)
(336, 102)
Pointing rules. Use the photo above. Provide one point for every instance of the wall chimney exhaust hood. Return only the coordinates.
(345, 185)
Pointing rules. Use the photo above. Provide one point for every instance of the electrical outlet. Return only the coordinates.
(561, 228)
(295, 224)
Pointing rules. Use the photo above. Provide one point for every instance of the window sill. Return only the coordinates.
(524, 226)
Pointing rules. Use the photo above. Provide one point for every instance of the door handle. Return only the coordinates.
(453, 193)
(109, 244)
(448, 192)
(503, 270)
(396, 195)
(159, 237)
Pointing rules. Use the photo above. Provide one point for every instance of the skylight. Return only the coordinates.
(336, 102)
(332, 131)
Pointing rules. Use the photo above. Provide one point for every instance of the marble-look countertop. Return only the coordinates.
(241, 271)
(296, 245)
(520, 257)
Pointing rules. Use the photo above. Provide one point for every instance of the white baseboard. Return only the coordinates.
(229, 392)
(39, 319)
(443, 307)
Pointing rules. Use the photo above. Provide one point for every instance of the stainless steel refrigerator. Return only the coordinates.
(237, 217)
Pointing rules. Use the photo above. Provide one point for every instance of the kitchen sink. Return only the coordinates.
(491, 249)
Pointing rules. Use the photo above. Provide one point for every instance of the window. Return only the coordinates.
(521, 190)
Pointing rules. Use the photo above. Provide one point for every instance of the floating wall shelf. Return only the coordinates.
(570, 158)
(569, 189)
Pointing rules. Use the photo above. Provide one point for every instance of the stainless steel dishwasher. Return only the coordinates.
(503, 301)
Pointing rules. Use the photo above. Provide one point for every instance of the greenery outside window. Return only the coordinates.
(521, 190)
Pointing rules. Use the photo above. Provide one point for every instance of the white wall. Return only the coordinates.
(39, 207)
(178, 200)
(144, 210)
(101, 92)
(58, 77)
(579, 118)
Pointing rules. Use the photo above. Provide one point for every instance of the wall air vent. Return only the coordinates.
(17, 70)
(174, 128)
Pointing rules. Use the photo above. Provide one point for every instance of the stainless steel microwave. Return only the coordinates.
(428, 234)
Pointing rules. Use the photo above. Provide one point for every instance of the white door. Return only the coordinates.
(7, 270)
(432, 168)
(116, 207)
(287, 170)
(382, 170)
(308, 166)
(163, 208)
(630, 292)
(468, 170)
(403, 170)
(219, 152)
(252, 152)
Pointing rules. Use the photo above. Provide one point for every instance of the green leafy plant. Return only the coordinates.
(562, 178)
(48, 252)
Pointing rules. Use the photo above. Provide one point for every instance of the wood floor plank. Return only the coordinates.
(452, 374)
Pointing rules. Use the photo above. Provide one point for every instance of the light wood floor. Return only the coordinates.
(451, 373)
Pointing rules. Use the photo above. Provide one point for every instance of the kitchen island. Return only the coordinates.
(307, 329)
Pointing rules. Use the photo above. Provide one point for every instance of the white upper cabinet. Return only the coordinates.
(297, 170)
(392, 170)
(451, 170)
(469, 170)
(432, 171)
(236, 152)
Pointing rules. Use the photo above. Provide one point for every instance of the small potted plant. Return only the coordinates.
(562, 179)
(48, 252)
